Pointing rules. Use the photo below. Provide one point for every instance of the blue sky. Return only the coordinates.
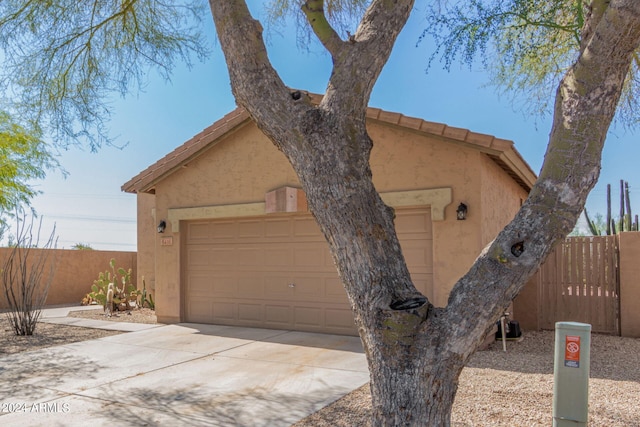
(88, 206)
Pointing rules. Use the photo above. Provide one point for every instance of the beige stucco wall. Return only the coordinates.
(501, 199)
(147, 236)
(629, 284)
(75, 271)
(242, 168)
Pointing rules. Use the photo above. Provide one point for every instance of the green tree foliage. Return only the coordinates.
(24, 157)
(525, 45)
(62, 58)
(82, 247)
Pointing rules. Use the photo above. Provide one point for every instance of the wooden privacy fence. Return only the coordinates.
(580, 282)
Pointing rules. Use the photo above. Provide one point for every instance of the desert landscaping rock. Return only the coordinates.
(46, 335)
(516, 388)
(496, 388)
(138, 315)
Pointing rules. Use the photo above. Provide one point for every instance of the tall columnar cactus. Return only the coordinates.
(626, 221)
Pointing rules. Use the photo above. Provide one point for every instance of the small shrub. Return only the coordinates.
(27, 273)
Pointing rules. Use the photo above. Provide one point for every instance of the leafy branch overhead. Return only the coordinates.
(525, 45)
(24, 157)
(62, 58)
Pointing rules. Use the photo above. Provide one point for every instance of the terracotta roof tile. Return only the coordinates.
(432, 127)
(147, 178)
(410, 122)
(456, 133)
(498, 149)
(389, 117)
(480, 139)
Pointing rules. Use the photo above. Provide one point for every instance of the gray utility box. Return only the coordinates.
(571, 374)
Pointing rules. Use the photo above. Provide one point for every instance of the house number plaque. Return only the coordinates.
(166, 241)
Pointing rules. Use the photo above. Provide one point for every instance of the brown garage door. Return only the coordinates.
(276, 272)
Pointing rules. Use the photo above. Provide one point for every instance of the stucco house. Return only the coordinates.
(238, 246)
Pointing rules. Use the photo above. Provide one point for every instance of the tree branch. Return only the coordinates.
(592, 15)
(357, 69)
(314, 11)
(585, 105)
(254, 82)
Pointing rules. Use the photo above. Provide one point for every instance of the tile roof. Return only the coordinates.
(499, 150)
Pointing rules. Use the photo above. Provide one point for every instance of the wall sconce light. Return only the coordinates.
(162, 226)
(461, 212)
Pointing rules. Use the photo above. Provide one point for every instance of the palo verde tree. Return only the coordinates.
(415, 350)
(24, 157)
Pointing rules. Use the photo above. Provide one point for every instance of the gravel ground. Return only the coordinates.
(516, 388)
(48, 334)
(496, 388)
(138, 315)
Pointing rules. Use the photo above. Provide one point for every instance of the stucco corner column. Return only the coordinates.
(629, 284)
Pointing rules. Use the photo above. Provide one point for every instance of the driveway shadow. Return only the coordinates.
(287, 337)
(24, 374)
(197, 407)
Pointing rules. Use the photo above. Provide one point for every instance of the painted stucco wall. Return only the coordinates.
(501, 199)
(244, 166)
(147, 236)
(74, 271)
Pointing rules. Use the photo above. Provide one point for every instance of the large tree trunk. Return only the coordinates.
(416, 351)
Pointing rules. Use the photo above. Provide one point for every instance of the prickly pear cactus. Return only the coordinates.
(125, 292)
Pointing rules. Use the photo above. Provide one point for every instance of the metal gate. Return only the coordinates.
(580, 282)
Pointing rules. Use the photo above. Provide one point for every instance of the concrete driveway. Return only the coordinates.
(180, 375)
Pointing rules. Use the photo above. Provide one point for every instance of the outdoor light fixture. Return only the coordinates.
(461, 212)
(163, 225)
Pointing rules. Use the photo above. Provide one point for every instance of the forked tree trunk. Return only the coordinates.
(416, 351)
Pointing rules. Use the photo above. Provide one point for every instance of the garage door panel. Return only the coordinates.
(308, 288)
(278, 256)
(334, 288)
(278, 228)
(199, 309)
(249, 257)
(223, 230)
(198, 232)
(223, 286)
(199, 257)
(418, 256)
(307, 227)
(200, 284)
(307, 316)
(413, 223)
(224, 311)
(277, 314)
(250, 313)
(339, 319)
(424, 283)
(240, 273)
(250, 230)
(277, 287)
(251, 286)
(305, 256)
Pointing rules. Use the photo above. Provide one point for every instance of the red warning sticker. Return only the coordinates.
(572, 351)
